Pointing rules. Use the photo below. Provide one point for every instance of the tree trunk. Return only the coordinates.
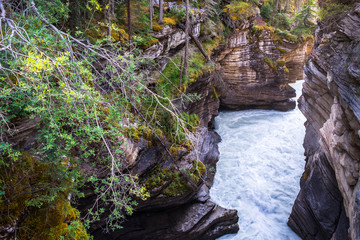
(277, 5)
(197, 42)
(186, 57)
(151, 8)
(297, 3)
(161, 14)
(286, 6)
(128, 7)
(75, 14)
(181, 72)
(109, 15)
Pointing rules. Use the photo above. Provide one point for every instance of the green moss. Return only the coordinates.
(157, 178)
(178, 186)
(305, 176)
(178, 183)
(58, 221)
(258, 29)
(216, 94)
(146, 41)
(271, 63)
(198, 66)
(29, 202)
(169, 81)
(170, 21)
(284, 35)
(197, 171)
(331, 9)
(143, 131)
(209, 46)
(282, 51)
(281, 63)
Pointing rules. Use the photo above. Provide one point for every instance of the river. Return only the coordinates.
(261, 162)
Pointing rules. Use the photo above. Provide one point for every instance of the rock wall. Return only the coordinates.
(257, 66)
(253, 70)
(328, 205)
(184, 213)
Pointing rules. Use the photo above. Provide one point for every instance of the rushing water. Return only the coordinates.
(261, 161)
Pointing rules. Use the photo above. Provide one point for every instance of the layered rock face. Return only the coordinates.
(257, 66)
(253, 70)
(328, 205)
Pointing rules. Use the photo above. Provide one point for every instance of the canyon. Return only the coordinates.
(253, 70)
(249, 66)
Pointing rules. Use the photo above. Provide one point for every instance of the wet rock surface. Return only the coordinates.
(327, 205)
(191, 221)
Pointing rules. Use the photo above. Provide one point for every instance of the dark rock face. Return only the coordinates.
(184, 215)
(190, 221)
(327, 206)
(208, 87)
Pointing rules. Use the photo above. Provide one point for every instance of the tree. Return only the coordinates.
(151, 8)
(306, 14)
(128, 7)
(298, 5)
(286, 6)
(110, 15)
(161, 14)
(304, 19)
(186, 57)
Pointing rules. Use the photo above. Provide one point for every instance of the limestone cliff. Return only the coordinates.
(327, 206)
(253, 70)
(257, 66)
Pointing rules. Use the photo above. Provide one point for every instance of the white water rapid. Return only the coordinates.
(261, 162)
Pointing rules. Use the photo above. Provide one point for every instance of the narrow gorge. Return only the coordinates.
(259, 175)
(109, 131)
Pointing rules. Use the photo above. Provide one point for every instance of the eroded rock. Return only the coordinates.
(327, 205)
(256, 69)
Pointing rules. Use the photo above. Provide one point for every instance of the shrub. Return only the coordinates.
(239, 10)
(331, 9)
(265, 11)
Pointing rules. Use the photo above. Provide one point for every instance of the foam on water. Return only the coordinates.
(261, 162)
